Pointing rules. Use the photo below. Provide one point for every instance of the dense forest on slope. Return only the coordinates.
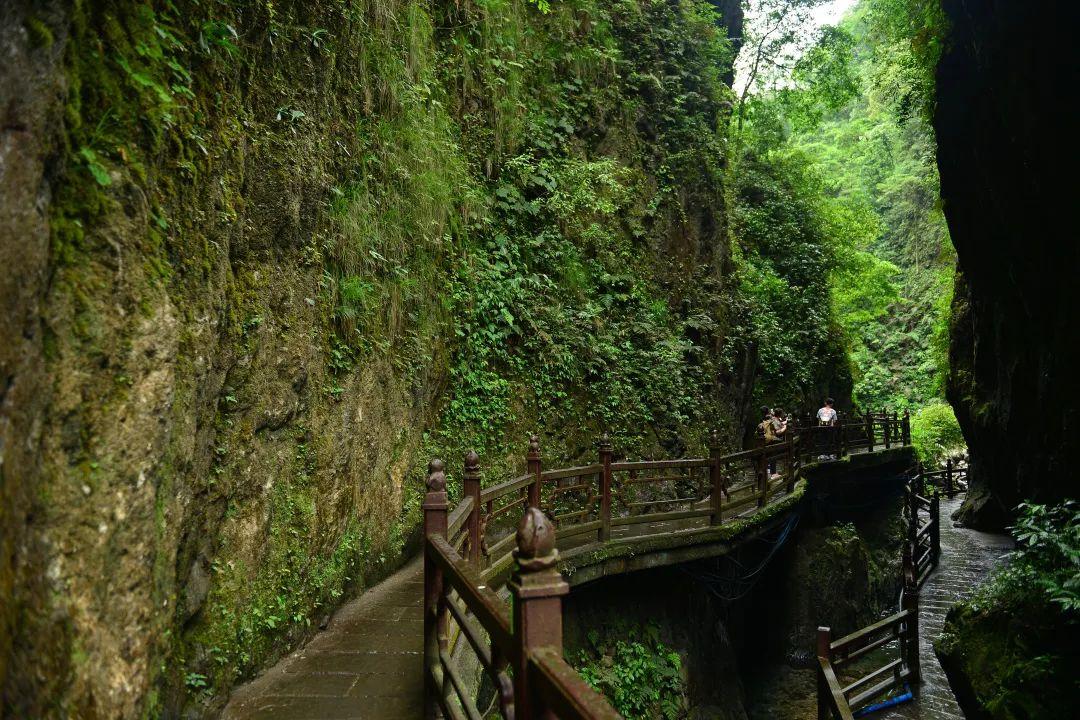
(851, 113)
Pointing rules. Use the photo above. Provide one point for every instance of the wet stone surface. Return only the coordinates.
(366, 665)
(967, 557)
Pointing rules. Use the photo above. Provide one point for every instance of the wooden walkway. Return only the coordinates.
(369, 663)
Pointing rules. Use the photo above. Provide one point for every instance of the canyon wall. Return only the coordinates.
(263, 259)
(1006, 146)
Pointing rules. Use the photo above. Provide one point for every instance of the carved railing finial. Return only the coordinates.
(534, 446)
(436, 480)
(472, 462)
(605, 442)
(535, 542)
(714, 439)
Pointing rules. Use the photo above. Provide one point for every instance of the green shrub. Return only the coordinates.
(935, 433)
(1046, 559)
(641, 679)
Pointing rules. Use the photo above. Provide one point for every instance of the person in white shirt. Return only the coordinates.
(827, 415)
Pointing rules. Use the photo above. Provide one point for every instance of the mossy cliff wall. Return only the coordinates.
(248, 248)
(1003, 146)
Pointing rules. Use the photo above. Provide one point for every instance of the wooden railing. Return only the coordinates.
(844, 685)
(520, 656)
(951, 480)
(921, 554)
(922, 548)
(472, 547)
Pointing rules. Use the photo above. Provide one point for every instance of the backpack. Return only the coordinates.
(767, 429)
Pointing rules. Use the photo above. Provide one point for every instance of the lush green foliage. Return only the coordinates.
(1015, 640)
(850, 109)
(642, 679)
(1046, 560)
(787, 254)
(935, 433)
(569, 316)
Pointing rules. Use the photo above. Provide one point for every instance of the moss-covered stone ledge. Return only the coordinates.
(879, 463)
(1012, 659)
(847, 489)
(622, 555)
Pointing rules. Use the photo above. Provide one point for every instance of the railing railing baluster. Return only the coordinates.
(716, 479)
(435, 621)
(471, 485)
(537, 588)
(605, 487)
(533, 459)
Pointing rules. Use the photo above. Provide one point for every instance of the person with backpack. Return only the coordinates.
(766, 429)
(827, 414)
(771, 428)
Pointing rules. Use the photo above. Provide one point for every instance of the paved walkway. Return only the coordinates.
(367, 664)
(967, 557)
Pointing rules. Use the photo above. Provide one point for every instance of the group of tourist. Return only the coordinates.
(774, 424)
(773, 427)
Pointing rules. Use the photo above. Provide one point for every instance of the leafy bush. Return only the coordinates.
(935, 433)
(1048, 551)
(641, 679)
(1046, 560)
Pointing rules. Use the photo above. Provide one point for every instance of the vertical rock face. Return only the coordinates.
(194, 467)
(1007, 149)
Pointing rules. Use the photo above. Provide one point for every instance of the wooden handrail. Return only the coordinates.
(831, 700)
(563, 690)
(458, 516)
(495, 492)
(602, 496)
(856, 639)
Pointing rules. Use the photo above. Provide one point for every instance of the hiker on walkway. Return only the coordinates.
(827, 414)
(779, 423)
(771, 429)
(766, 429)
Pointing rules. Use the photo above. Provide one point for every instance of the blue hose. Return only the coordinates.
(906, 697)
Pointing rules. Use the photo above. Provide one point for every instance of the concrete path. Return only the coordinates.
(366, 665)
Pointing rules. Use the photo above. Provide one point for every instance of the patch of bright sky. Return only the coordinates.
(828, 14)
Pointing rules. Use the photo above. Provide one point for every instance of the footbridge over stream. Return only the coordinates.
(474, 629)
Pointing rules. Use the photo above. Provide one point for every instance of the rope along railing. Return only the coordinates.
(473, 545)
(843, 697)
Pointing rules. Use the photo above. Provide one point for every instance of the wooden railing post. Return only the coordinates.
(824, 639)
(907, 564)
(948, 478)
(537, 588)
(887, 432)
(911, 545)
(471, 482)
(791, 462)
(716, 479)
(435, 621)
(869, 432)
(534, 469)
(763, 477)
(605, 487)
(905, 428)
(911, 644)
(843, 435)
(935, 528)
